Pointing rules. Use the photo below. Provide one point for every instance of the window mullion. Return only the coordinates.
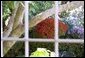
(56, 30)
(1, 32)
(26, 29)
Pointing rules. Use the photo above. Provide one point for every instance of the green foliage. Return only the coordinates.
(8, 7)
(6, 10)
(64, 14)
(75, 49)
(38, 6)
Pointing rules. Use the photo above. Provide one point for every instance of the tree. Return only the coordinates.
(15, 27)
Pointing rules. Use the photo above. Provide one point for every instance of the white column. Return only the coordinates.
(56, 30)
(26, 29)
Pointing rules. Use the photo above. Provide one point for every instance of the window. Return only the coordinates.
(26, 38)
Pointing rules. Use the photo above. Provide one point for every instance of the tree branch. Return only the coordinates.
(18, 29)
(10, 23)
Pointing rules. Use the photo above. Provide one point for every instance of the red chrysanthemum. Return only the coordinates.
(46, 28)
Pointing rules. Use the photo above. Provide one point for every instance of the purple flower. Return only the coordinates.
(79, 31)
(75, 21)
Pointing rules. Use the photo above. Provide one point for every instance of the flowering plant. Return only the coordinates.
(46, 28)
(42, 52)
(75, 20)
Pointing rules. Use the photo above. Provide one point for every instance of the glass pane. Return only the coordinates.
(13, 16)
(41, 21)
(73, 20)
(43, 48)
(71, 50)
(15, 50)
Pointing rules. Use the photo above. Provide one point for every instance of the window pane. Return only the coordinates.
(36, 46)
(71, 50)
(17, 50)
(73, 19)
(13, 25)
(42, 25)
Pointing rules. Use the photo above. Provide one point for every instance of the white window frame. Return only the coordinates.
(26, 39)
